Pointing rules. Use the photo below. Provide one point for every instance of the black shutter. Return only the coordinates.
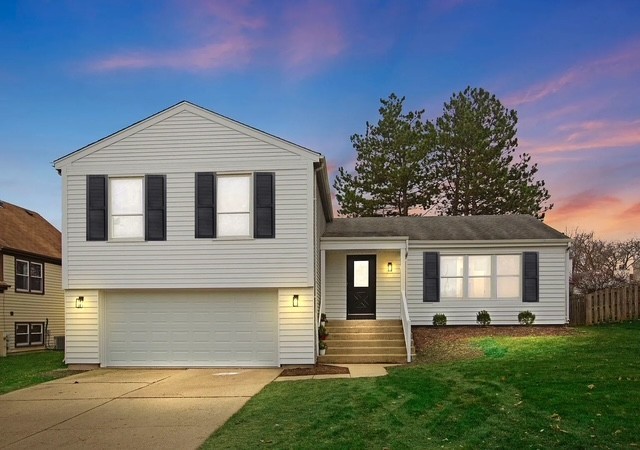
(156, 208)
(205, 205)
(265, 211)
(97, 207)
(431, 277)
(530, 292)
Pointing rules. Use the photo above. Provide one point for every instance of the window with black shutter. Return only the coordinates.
(156, 208)
(205, 205)
(530, 283)
(431, 277)
(264, 210)
(97, 208)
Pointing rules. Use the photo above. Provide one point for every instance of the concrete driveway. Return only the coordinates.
(127, 408)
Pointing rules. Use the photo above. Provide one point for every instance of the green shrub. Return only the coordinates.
(483, 317)
(439, 319)
(526, 317)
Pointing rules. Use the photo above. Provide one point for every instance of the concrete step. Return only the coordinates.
(365, 329)
(365, 350)
(399, 358)
(364, 336)
(399, 343)
(356, 323)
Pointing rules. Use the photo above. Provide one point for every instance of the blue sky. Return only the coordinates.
(313, 72)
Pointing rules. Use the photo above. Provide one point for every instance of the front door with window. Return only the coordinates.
(361, 287)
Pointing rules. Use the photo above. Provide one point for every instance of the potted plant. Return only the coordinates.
(322, 333)
(323, 348)
(323, 319)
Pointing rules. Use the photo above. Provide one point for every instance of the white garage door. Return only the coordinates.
(191, 329)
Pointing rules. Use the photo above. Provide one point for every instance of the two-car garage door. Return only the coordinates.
(182, 329)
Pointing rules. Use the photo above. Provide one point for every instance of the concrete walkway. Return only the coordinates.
(127, 408)
(355, 371)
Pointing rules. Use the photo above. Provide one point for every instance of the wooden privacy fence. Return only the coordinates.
(608, 305)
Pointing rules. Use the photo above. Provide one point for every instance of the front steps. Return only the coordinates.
(364, 342)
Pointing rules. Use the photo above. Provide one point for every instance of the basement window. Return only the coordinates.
(29, 334)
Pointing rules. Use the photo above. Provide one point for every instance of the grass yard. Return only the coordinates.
(19, 371)
(576, 390)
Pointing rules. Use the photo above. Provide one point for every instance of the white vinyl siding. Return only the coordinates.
(387, 283)
(551, 309)
(296, 326)
(180, 146)
(82, 341)
(191, 329)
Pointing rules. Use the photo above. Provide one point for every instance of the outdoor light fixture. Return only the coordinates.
(389, 267)
(79, 301)
(295, 301)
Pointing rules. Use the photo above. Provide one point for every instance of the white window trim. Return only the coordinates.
(16, 274)
(110, 209)
(28, 263)
(249, 236)
(29, 342)
(494, 278)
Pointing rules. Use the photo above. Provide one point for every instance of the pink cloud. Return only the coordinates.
(314, 34)
(304, 37)
(588, 135)
(619, 63)
(234, 52)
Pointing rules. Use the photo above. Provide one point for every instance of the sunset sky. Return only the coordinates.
(312, 72)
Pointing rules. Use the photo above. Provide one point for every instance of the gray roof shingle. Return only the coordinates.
(445, 228)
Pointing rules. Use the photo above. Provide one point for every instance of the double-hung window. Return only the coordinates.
(480, 276)
(29, 333)
(451, 276)
(234, 205)
(29, 276)
(126, 206)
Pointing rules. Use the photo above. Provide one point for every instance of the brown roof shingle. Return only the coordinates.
(445, 228)
(26, 231)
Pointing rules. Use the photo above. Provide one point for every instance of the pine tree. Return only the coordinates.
(390, 177)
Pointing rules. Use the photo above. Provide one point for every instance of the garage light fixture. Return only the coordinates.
(79, 301)
(295, 301)
(389, 267)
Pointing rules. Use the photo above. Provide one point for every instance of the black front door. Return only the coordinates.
(361, 287)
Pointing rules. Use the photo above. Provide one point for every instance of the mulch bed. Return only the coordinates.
(449, 343)
(318, 369)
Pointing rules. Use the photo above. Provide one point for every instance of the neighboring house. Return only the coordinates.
(31, 297)
(193, 240)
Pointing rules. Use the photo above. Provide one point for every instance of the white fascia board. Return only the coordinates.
(491, 243)
(378, 243)
(178, 108)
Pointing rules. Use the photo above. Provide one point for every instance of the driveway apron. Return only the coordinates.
(127, 408)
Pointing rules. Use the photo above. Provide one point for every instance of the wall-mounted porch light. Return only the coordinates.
(389, 267)
(79, 301)
(295, 301)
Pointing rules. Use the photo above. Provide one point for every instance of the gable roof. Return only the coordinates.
(445, 228)
(195, 109)
(25, 231)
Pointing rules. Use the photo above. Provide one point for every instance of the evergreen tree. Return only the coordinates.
(390, 178)
(474, 160)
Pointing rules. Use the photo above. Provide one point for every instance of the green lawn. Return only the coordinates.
(19, 371)
(574, 391)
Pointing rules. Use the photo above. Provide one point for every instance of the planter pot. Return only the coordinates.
(323, 351)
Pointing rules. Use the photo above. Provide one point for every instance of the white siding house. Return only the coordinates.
(190, 239)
